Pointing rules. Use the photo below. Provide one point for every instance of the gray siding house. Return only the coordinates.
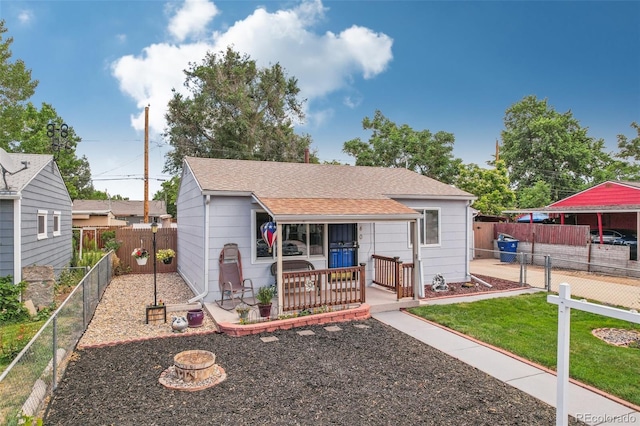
(35, 216)
(329, 215)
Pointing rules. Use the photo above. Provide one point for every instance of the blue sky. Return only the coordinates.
(453, 66)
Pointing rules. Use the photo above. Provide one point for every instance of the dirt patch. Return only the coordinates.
(472, 287)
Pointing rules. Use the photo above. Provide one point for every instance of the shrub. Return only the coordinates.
(11, 309)
(90, 258)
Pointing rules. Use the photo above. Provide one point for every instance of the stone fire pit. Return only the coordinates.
(193, 370)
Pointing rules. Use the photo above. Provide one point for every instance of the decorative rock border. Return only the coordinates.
(345, 315)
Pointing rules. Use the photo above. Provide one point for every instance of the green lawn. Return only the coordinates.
(14, 337)
(527, 326)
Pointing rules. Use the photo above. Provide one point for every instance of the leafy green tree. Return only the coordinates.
(33, 139)
(391, 145)
(169, 194)
(538, 195)
(16, 86)
(629, 152)
(541, 144)
(23, 127)
(235, 110)
(103, 195)
(630, 148)
(491, 186)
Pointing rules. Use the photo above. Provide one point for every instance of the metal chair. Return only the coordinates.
(230, 279)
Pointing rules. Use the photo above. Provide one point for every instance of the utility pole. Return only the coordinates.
(146, 164)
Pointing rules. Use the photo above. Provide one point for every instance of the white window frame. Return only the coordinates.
(422, 211)
(42, 214)
(56, 223)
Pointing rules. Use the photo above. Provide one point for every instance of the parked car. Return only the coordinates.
(625, 237)
(611, 235)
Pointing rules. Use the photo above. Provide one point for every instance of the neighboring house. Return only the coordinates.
(35, 216)
(91, 213)
(610, 204)
(332, 216)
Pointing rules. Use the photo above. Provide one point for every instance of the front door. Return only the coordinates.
(343, 245)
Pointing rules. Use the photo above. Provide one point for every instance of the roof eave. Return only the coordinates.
(222, 193)
(432, 197)
(571, 210)
(351, 218)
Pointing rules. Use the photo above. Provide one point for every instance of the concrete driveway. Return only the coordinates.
(611, 290)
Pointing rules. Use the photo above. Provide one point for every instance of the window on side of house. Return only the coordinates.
(42, 224)
(56, 224)
(297, 239)
(429, 224)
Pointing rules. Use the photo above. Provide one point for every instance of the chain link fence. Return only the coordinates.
(30, 379)
(610, 285)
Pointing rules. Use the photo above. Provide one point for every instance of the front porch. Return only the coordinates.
(378, 299)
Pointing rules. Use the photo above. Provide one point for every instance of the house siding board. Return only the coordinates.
(47, 192)
(606, 194)
(6, 237)
(190, 210)
(447, 258)
(230, 222)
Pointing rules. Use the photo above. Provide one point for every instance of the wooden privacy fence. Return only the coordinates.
(571, 235)
(323, 287)
(391, 273)
(166, 238)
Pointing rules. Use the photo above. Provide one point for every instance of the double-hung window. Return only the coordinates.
(56, 224)
(42, 224)
(429, 227)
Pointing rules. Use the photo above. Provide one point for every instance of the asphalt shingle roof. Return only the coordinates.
(300, 189)
(299, 180)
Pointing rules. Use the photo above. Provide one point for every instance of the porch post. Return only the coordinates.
(279, 267)
(417, 291)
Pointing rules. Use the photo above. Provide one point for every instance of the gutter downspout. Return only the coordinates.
(417, 263)
(206, 252)
(467, 272)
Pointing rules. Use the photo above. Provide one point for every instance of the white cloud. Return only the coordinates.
(323, 63)
(352, 101)
(192, 19)
(121, 38)
(25, 16)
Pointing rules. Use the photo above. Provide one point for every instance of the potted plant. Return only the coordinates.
(141, 255)
(165, 255)
(243, 311)
(264, 296)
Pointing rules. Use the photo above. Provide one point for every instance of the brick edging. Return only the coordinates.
(353, 314)
(529, 362)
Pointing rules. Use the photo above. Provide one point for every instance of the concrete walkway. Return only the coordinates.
(585, 405)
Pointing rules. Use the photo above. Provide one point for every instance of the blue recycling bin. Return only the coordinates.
(508, 250)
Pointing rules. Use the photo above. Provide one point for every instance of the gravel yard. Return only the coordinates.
(362, 373)
(120, 315)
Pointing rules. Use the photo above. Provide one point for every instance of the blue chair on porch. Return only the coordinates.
(231, 282)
